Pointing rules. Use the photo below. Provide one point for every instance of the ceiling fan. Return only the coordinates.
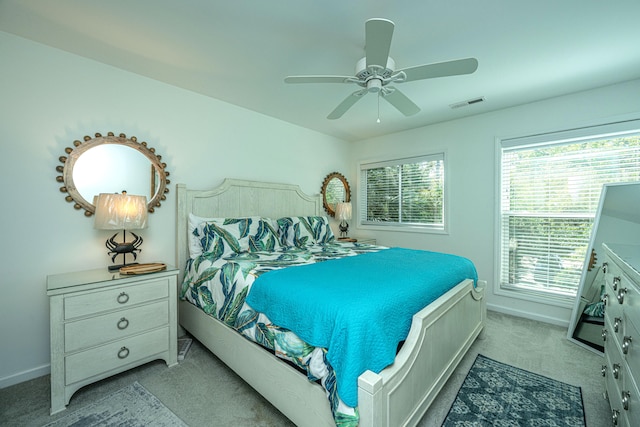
(377, 70)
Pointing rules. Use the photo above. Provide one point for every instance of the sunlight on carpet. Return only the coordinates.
(497, 394)
(131, 406)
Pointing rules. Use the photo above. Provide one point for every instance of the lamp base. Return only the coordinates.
(344, 229)
(118, 267)
(123, 249)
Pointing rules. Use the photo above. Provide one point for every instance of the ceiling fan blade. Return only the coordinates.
(346, 104)
(318, 79)
(399, 100)
(441, 69)
(378, 33)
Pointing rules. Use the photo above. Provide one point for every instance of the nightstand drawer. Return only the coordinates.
(105, 358)
(114, 298)
(96, 330)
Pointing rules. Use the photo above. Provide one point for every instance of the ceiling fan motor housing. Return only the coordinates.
(365, 74)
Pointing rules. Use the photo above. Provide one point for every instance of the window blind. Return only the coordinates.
(403, 192)
(549, 196)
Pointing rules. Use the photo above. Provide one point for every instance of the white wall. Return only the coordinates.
(471, 175)
(49, 98)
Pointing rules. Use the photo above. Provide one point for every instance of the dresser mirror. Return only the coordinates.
(335, 189)
(111, 164)
(617, 220)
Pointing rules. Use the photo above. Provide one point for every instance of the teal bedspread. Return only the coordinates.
(359, 308)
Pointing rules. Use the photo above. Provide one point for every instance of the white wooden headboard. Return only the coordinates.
(239, 198)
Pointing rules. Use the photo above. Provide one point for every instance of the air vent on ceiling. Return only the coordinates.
(467, 102)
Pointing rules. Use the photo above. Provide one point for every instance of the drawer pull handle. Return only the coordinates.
(616, 370)
(621, 293)
(616, 282)
(123, 298)
(123, 353)
(603, 370)
(626, 396)
(626, 343)
(616, 323)
(604, 335)
(605, 267)
(123, 323)
(605, 299)
(614, 416)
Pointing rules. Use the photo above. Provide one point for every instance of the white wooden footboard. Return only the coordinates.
(440, 335)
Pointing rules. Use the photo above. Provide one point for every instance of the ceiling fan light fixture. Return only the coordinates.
(374, 85)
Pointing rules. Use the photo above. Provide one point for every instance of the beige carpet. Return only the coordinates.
(203, 392)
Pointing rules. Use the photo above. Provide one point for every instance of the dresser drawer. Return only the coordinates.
(97, 330)
(90, 303)
(616, 372)
(632, 337)
(633, 401)
(98, 360)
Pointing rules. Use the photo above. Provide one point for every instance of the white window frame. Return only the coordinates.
(410, 227)
(583, 134)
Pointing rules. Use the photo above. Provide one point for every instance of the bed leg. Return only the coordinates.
(479, 294)
(370, 402)
(481, 335)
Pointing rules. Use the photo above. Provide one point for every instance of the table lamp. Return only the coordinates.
(121, 212)
(343, 213)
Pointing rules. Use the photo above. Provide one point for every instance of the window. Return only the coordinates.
(404, 192)
(550, 190)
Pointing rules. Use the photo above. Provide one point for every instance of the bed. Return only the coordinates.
(439, 335)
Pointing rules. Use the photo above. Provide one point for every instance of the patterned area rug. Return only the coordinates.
(495, 394)
(131, 406)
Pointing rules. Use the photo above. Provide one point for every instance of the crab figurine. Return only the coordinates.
(123, 248)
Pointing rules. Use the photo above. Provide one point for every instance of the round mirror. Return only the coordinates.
(335, 189)
(112, 164)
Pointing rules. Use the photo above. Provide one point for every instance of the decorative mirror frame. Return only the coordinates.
(69, 161)
(323, 190)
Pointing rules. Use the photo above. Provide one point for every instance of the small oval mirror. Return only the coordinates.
(111, 164)
(335, 189)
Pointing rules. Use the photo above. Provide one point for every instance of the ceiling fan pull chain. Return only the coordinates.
(378, 121)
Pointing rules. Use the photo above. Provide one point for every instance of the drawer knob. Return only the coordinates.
(616, 370)
(616, 323)
(605, 299)
(621, 293)
(626, 396)
(626, 343)
(123, 323)
(123, 298)
(123, 353)
(614, 416)
(605, 267)
(616, 282)
(604, 334)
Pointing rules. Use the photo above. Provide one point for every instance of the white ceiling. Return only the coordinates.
(239, 51)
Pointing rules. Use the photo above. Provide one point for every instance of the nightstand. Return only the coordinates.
(365, 240)
(104, 323)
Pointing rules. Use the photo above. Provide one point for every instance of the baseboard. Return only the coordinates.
(528, 315)
(21, 377)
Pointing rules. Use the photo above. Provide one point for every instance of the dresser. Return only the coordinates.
(621, 332)
(103, 323)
